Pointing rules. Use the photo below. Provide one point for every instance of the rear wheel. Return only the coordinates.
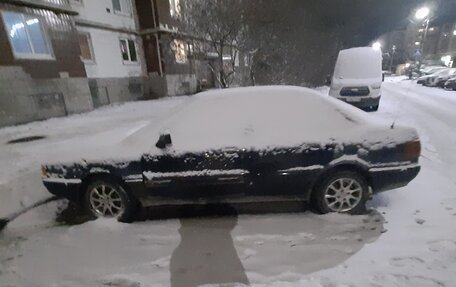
(107, 199)
(343, 192)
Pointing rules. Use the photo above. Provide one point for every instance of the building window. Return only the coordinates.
(27, 37)
(121, 7)
(174, 8)
(180, 51)
(128, 49)
(85, 43)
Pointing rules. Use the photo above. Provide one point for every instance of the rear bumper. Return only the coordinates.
(66, 188)
(386, 178)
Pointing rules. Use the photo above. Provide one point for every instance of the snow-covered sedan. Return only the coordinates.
(451, 84)
(245, 145)
(429, 72)
(442, 78)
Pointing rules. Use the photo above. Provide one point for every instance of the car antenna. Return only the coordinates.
(404, 99)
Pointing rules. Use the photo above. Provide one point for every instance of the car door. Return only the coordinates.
(205, 174)
(286, 171)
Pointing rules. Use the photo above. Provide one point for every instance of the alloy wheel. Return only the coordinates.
(343, 194)
(106, 201)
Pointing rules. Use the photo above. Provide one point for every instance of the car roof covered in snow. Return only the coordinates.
(257, 117)
(262, 118)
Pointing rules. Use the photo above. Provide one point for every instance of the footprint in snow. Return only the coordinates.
(446, 246)
(406, 261)
(405, 280)
(420, 220)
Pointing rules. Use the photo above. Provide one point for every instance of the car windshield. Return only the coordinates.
(227, 143)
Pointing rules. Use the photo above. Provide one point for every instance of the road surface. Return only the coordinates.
(408, 240)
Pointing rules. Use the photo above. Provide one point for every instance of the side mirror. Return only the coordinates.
(164, 141)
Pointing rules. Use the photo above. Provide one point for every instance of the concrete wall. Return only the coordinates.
(23, 99)
(181, 84)
(155, 87)
(105, 91)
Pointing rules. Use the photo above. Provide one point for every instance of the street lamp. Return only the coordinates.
(393, 51)
(377, 46)
(423, 14)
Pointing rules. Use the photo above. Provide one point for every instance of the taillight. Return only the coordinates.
(412, 150)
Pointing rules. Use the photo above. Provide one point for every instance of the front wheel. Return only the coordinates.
(106, 199)
(343, 192)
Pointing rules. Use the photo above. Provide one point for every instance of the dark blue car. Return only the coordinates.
(245, 145)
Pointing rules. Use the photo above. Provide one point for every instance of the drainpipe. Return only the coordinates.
(140, 39)
(157, 43)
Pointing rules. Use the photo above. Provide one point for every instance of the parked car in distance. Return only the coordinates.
(357, 77)
(450, 84)
(440, 79)
(253, 144)
(432, 69)
(423, 80)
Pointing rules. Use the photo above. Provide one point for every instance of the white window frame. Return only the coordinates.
(174, 8)
(124, 4)
(129, 62)
(33, 55)
(89, 41)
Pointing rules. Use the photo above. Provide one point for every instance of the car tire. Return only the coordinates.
(106, 198)
(342, 192)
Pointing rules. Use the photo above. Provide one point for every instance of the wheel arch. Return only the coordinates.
(90, 178)
(363, 171)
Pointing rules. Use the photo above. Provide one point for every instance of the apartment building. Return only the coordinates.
(41, 73)
(59, 57)
(111, 49)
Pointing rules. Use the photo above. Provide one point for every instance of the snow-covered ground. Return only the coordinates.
(409, 241)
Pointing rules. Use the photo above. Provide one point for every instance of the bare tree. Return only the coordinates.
(219, 25)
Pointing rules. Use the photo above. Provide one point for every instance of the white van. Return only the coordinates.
(357, 77)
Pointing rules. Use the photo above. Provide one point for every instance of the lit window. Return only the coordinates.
(174, 8)
(121, 7)
(27, 36)
(85, 43)
(128, 50)
(179, 51)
